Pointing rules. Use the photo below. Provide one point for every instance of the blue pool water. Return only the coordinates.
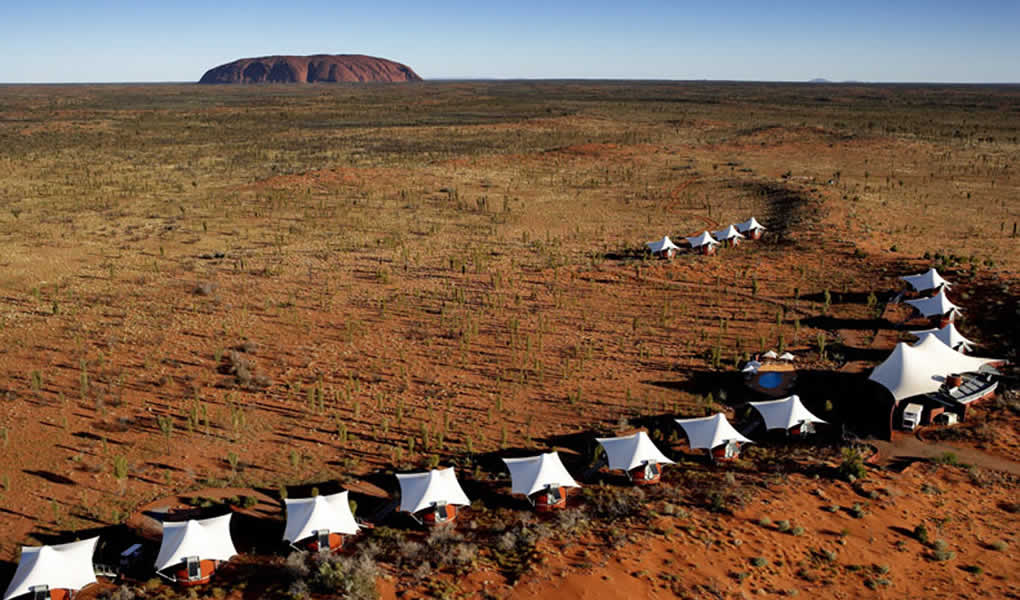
(770, 380)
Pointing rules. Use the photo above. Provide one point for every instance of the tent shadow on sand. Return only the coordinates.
(831, 323)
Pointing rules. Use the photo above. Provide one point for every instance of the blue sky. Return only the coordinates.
(793, 40)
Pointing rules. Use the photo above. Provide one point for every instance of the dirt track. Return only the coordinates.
(909, 448)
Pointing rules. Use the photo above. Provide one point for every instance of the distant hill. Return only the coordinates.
(330, 68)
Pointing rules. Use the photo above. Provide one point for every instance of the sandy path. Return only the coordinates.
(905, 447)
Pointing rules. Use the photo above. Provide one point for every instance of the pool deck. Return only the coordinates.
(788, 376)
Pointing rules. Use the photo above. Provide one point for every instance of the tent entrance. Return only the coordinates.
(322, 537)
(193, 566)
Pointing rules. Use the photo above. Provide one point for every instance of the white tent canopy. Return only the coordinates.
(922, 368)
(786, 356)
(729, 233)
(749, 225)
(701, 240)
(632, 451)
(662, 245)
(784, 413)
(934, 306)
(305, 516)
(208, 539)
(928, 280)
(770, 354)
(752, 366)
(419, 491)
(63, 566)
(535, 473)
(948, 335)
(949, 360)
(709, 432)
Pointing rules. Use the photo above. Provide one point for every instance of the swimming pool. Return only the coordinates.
(770, 380)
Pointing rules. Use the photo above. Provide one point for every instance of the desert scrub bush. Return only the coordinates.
(612, 503)
(765, 522)
(852, 468)
(941, 551)
(797, 531)
(345, 576)
(123, 592)
(759, 561)
(947, 458)
(447, 548)
(858, 511)
(572, 520)
(921, 533)
(783, 526)
(514, 551)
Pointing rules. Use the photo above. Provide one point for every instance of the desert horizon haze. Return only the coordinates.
(120, 41)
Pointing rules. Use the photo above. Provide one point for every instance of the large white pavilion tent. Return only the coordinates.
(922, 368)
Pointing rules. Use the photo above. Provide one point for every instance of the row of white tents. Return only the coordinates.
(706, 240)
(189, 546)
(933, 306)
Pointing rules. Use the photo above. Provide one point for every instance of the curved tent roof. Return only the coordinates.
(752, 366)
(208, 539)
(749, 225)
(938, 304)
(701, 239)
(419, 491)
(786, 356)
(784, 413)
(662, 245)
(63, 566)
(770, 354)
(928, 280)
(631, 451)
(922, 368)
(535, 473)
(949, 360)
(727, 234)
(305, 516)
(948, 335)
(709, 432)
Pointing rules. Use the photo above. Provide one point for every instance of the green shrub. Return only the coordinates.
(759, 561)
(852, 466)
(921, 533)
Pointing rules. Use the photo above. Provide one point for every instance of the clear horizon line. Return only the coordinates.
(816, 81)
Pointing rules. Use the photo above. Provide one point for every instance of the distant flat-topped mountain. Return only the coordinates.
(310, 69)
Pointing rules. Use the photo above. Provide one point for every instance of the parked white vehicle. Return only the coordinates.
(912, 416)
